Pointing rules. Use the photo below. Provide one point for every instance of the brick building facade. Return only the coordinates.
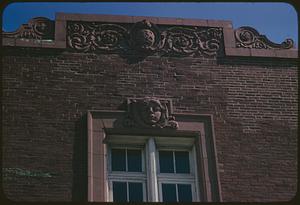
(77, 89)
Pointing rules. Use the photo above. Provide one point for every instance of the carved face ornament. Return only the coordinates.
(151, 112)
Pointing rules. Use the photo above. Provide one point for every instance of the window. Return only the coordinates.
(128, 160)
(174, 162)
(127, 175)
(176, 178)
(152, 170)
(166, 165)
(176, 192)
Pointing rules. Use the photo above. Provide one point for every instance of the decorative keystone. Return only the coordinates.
(149, 113)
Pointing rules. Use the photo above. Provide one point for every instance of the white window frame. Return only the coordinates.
(192, 183)
(181, 178)
(150, 177)
(121, 179)
(121, 176)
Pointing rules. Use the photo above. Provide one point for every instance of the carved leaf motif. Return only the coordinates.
(91, 37)
(247, 37)
(37, 28)
(196, 41)
(145, 38)
(180, 41)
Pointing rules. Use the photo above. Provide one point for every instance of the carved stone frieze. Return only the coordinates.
(192, 41)
(144, 37)
(37, 28)
(149, 113)
(92, 36)
(247, 37)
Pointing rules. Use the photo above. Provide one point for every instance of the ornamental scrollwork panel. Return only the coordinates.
(39, 28)
(91, 37)
(247, 37)
(192, 41)
(145, 37)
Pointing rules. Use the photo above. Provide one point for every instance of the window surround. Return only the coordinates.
(195, 127)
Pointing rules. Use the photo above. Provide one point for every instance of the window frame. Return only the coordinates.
(175, 178)
(102, 124)
(180, 178)
(110, 188)
(130, 147)
(125, 176)
(193, 189)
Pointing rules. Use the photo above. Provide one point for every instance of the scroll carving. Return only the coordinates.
(144, 37)
(91, 37)
(192, 41)
(149, 113)
(247, 37)
(37, 28)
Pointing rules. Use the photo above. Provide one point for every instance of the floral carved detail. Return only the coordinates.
(145, 38)
(247, 37)
(37, 28)
(192, 41)
(90, 37)
(149, 113)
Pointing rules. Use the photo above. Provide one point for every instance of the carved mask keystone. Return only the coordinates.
(149, 113)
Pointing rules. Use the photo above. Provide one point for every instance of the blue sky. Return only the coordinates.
(277, 21)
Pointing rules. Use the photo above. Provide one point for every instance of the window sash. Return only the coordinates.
(177, 183)
(192, 160)
(173, 178)
(109, 161)
(127, 180)
(174, 160)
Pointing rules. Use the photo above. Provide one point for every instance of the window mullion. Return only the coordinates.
(126, 161)
(176, 187)
(152, 171)
(174, 162)
(127, 186)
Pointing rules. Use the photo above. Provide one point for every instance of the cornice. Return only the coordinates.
(139, 35)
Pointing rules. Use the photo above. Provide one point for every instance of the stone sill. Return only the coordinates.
(228, 33)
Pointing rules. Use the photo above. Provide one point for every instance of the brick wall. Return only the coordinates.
(46, 94)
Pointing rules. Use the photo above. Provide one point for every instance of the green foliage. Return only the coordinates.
(7, 172)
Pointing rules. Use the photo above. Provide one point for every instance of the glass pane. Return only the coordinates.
(135, 192)
(118, 160)
(166, 163)
(119, 192)
(182, 162)
(184, 192)
(169, 192)
(134, 158)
